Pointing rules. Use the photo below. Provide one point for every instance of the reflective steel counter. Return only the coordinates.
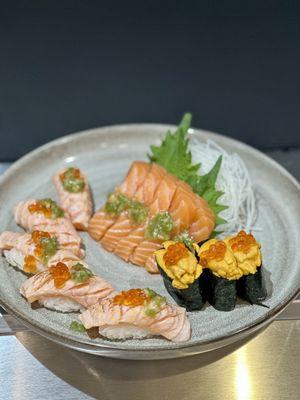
(264, 367)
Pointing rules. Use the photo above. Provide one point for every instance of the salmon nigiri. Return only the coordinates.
(136, 313)
(74, 196)
(45, 215)
(33, 253)
(65, 288)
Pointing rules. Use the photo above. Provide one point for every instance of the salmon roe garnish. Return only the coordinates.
(39, 207)
(37, 237)
(215, 251)
(131, 298)
(60, 273)
(242, 242)
(174, 253)
(75, 172)
(30, 264)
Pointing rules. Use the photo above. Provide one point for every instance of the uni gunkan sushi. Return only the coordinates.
(181, 273)
(247, 252)
(33, 253)
(136, 313)
(74, 196)
(45, 215)
(65, 288)
(233, 266)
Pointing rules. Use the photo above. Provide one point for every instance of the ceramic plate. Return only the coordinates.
(105, 155)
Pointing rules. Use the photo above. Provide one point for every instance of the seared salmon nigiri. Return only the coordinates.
(74, 196)
(45, 215)
(65, 288)
(33, 253)
(136, 313)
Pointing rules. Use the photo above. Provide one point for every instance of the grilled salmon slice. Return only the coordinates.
(61, 227)
(78, 205)
(118, 321)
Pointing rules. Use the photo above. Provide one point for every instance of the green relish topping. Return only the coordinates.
(77, 326)
(117, 203)
(53, 207)
(160, 226)
(155, 303)
(72, 180)
(185, 238)
(50, 247)
(80, 274)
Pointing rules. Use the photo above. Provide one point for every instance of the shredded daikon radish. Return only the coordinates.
(234, 180)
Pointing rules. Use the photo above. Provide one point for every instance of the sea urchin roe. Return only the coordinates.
(72, 180)
(178, 263)
(216, 251)
(160, 226)
(174, 253)
(47, 207)
(80, 274)
(117, 203)
(45, 245)
(60, 273)
(131, 298)
(242, 242)
(30, 264)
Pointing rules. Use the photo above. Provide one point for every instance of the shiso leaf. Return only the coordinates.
(173, 153)
(174, 156)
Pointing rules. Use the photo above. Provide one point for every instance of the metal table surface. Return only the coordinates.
(265, 366)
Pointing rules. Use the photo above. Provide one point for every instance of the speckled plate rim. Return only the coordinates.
(180, 350)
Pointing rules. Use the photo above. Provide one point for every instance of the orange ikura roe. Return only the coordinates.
(60, 273)
(215, 251)
(131, 298)
(37, 237)
(174, 253)
(29, 264)
(242, 242)
(39, 207)
(75, 172)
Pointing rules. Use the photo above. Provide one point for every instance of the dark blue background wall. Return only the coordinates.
(71, 65)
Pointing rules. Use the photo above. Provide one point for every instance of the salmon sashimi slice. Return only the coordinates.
(61, 227)
(166, 190)
(118, 321)
(151, 265)
(126, 246)
(99, 224)
(69, 298)
(135, 177)
(145, 194)
(122, 227)
(143, 251)
(78, 205)
(101, 220)
(185, 208)
(17, 246)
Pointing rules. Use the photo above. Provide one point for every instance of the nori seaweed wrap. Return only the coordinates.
(182, 275)
(233, 267)
(252, 288)
(221, 293)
